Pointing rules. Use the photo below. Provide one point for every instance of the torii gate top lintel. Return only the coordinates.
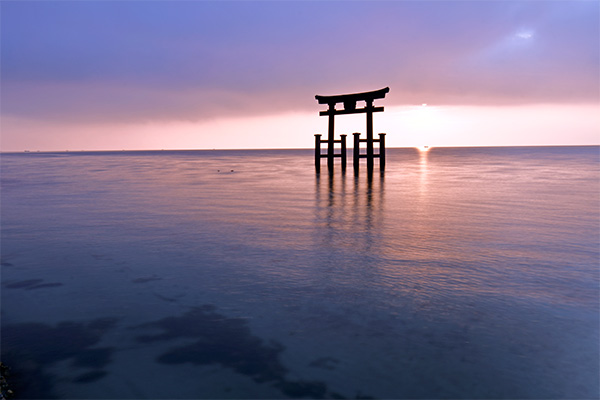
(350, 100)
(340, 98)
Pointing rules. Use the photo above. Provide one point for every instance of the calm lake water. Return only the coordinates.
(459, 273)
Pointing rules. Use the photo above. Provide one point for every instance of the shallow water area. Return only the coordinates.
(457, 273)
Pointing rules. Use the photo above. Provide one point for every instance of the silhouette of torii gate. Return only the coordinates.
(349, 101)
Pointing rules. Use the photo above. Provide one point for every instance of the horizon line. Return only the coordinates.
(26, 151)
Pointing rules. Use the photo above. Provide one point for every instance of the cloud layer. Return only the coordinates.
(140, 61)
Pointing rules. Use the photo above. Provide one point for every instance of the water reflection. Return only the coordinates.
(423, 170)
(352, 215)
(368, 205)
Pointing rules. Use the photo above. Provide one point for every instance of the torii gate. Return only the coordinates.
(349, 101)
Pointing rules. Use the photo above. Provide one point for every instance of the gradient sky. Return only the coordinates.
(84, 75)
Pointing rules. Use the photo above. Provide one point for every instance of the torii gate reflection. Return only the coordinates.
(349, 101)
(352, 209)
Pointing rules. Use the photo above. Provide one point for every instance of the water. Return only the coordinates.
(459, 273)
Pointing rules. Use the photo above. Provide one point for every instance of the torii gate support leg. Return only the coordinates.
(356, 152)
(330, 136)
(382, 151)
(343, 140)
(318, 152)
(369, 135)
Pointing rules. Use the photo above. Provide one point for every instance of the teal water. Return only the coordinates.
(458, 273)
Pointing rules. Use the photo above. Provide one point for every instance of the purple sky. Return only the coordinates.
(140, 62)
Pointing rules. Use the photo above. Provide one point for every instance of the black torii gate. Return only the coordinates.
(349, 101)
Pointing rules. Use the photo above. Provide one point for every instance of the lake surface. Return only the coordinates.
(459, 273)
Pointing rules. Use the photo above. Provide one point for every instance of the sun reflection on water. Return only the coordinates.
(423, 169)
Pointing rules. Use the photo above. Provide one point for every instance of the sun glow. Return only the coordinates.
(417, 125)
(442, 126)
(406, 126)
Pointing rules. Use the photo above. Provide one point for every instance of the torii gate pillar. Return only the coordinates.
(349, 101)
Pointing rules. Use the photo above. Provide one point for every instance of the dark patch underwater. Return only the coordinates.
(42, 345)
(230, 343)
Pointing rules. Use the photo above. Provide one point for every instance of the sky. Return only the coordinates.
(135, 74)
